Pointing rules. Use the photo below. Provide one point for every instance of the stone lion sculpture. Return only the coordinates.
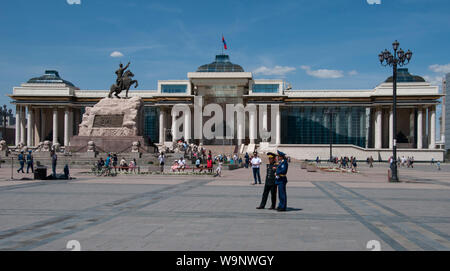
(46, 146)
(91, 146)
(3, 146)
(135, 146)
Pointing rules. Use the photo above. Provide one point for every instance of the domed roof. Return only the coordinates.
(50, 77)
(221, 64)
(403, 76)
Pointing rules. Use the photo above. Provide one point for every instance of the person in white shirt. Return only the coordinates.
(256, 162)
(161, 159)
(219, 170)
(181, 164)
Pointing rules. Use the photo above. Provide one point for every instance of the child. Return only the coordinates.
(219, 170)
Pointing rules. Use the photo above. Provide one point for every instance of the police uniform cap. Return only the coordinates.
(271, 154)
(280, 153)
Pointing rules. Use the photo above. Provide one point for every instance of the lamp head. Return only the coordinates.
(395, 45)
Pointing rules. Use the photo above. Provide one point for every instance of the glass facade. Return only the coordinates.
(173, 88)
(151, 123)
(310, 125)
(265, 88)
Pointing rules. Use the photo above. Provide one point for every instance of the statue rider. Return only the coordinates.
(119, 72)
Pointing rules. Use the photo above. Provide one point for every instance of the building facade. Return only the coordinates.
(299, 122)
(445, 128)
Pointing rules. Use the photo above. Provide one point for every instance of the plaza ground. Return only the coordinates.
(327, 211)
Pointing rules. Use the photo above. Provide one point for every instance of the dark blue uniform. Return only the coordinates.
(30, 162)
(21, 159)
(281, 181)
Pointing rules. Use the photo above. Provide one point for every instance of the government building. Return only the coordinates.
(357, 122)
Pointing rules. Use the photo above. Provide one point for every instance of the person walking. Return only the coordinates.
(162, 160)
(247, 160)
(371, 161)
(281, 181)
(54, 162)
(209, 164)
(30, 162)
(270, 185)
(256, 162)
(114, 163)
(219, 170)
(21, 159)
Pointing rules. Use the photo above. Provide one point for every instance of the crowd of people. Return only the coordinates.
(111, 163)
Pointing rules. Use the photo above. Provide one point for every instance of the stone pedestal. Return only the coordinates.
(113, 125)
(112, 117)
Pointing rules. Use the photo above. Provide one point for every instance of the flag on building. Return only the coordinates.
(224, 43)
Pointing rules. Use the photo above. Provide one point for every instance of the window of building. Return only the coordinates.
(151, 123)
(173, 88)
(310, 125)
(265, 88)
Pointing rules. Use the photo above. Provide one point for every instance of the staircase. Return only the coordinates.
(221, 149)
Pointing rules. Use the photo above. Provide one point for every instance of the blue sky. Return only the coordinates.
(311, 44)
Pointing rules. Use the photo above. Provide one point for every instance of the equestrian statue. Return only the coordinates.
(123, 82)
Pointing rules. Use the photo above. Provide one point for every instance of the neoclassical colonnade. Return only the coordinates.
(251, 126)
(417, 123)
(34, 123)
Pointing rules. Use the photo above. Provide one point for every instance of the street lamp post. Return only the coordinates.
(4, 113)
(330, 112)
(398, 58)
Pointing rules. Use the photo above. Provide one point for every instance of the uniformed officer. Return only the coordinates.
(281, 181)
(270, 185)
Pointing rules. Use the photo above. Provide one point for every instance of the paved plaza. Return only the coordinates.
(327, 211)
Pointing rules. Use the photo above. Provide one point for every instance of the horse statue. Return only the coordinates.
(127, 82)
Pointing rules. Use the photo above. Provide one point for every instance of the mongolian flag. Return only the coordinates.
(224, 43)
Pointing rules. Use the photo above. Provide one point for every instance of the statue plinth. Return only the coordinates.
(113, 117)
(113, 125)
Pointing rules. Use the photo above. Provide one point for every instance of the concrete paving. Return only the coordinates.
(327, 211)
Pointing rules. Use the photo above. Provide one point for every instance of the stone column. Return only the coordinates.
(411, 126)
(18, 124)
(432, 127)
(252, 127)
(187, 125)
(29, 126)
(240, 132)
(66, 126)
(278, 127)
(43, 119)
(419, 128)
(378, 128)
(55, 126)
(174, 132)
(22, 126)
(264, 119)
(162, 117)
(391, 128)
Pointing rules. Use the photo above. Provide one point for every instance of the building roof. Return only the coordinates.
(221, 64)
(403, 76)
(50, 77)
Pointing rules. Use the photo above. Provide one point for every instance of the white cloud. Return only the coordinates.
(434, 80)
(440, 68)
(74, 2)
(323, 73)
(352, 73)
(116, 54)
(277, 70)
(374, 2)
